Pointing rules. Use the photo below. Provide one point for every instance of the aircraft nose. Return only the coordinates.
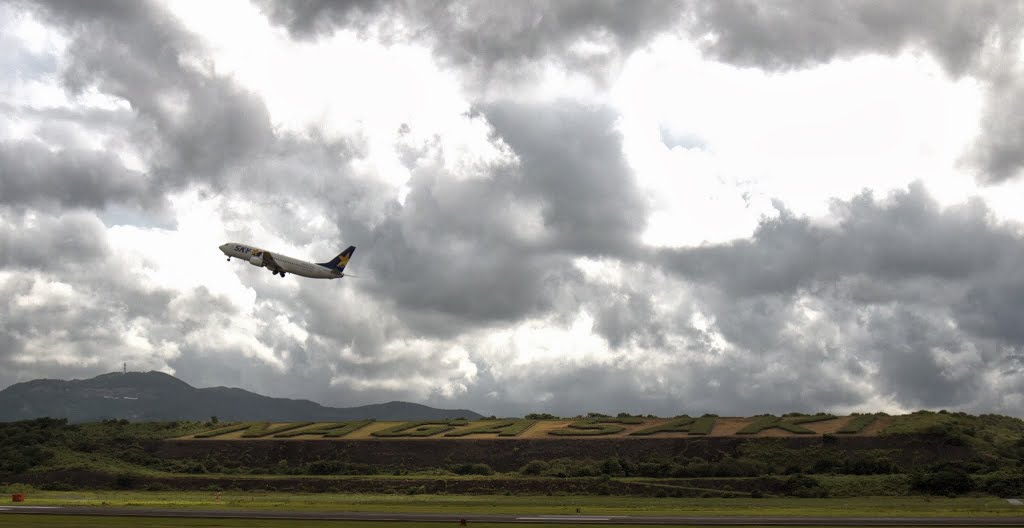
(224, 248)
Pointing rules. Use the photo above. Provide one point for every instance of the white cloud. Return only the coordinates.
(344, 86)
(803, 136)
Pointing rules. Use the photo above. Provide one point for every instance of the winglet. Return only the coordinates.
(338, 263)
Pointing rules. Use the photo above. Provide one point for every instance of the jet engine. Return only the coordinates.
(256, 261)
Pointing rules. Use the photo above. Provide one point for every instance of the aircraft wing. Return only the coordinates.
(269, 262)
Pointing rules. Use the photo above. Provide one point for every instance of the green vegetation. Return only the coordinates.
(924, 453)
(262, 429)
(988, 433)
(728, 467)
(419, 429)
(534, 504)
(224, 430)
(111, 445)
(500, 428)
(596, 426)
(804, 486)
(472, 469)
(685, 424)
(327, 430)
(21, 443)
(786, 424)
(21, 520)
(858, 423)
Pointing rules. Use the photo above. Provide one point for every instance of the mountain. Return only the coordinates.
(142, 396)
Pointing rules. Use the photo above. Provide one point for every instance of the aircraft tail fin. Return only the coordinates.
(338, 263)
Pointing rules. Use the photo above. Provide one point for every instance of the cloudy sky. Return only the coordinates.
(583, 205)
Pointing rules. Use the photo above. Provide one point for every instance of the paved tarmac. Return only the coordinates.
(522, 519)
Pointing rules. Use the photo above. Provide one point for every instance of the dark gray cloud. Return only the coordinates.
(206, 122)
(795, 34)
(496, 248)
(45, 243)
(907, 236)
(494, 42)
(923, 362)
(980, 39)
(571, 163)
(991, 306)
(34, 175)
(918, 297)
(190, 125)
(999, 149)
(662, 382)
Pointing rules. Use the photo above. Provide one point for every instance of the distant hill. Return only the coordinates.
(140, 396)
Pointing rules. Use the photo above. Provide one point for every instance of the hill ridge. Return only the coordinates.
(154, 395)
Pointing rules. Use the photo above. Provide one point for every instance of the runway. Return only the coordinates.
(520, 519)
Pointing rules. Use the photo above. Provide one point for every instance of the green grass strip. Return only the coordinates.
(21, 520)
(224, 430)
(858, 423)
(500, 428)
(811, 419)
(791, 425)
(869, 506)
(760, 424)
(595, 427)
(692, 426)
(261, 429)
(418, 429)
(327, 430)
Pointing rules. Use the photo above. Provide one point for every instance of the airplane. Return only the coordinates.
(280, 264)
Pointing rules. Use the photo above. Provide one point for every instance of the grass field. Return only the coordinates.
(18, 521)
(854, 507)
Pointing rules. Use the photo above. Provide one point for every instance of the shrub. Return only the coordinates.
(803, 486)
(867, 466)
(124, 481)
(472, 469)
(945, 481)
(1005, 486)
(612, 467)
(56, 486)
(534, 467)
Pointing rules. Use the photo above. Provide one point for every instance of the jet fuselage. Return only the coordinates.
(282, 264)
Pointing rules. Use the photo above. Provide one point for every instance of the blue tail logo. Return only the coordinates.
(338, 263)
